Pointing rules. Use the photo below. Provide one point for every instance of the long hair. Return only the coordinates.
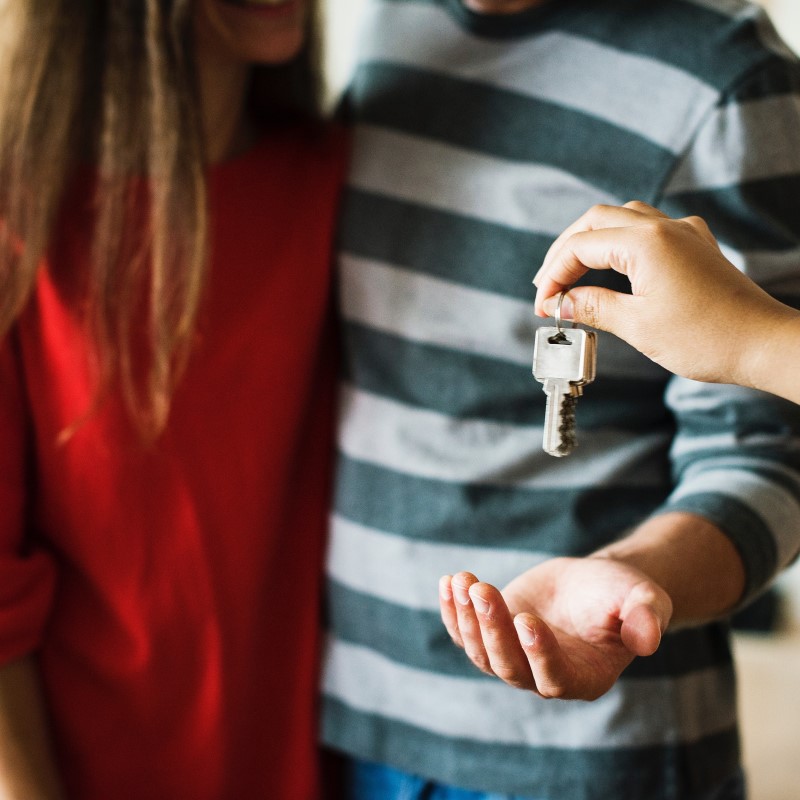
(116, 82)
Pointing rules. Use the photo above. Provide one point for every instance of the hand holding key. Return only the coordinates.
(691, 310)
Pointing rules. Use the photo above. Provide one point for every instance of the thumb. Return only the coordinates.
(641, 631)
(594, 306)
(645, 616)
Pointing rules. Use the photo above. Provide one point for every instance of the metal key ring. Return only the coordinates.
(558, 310)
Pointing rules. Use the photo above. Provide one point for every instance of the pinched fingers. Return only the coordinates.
(596, 218)
(699, 225)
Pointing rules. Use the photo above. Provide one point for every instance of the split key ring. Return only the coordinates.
(561, 295)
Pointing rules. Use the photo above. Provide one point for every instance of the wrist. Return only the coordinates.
(769, 361)
(690, 558)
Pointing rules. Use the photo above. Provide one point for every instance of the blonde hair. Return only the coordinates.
(115, 82)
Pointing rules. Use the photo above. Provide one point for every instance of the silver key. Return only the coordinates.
(564, 361)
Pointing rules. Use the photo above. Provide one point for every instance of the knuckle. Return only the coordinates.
(695, 222)
(598, 210)
(589, 309)
(637, 205)
(644, 592)
(661, 228)
(660, 233)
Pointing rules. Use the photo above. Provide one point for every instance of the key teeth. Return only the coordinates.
(566, 439)
(567, 428)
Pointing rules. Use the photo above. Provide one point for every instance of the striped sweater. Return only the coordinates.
(477, 140)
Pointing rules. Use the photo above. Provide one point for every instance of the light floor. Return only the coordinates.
(769, 698)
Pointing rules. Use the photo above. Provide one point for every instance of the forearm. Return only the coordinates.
(27, 767)
(691, 559)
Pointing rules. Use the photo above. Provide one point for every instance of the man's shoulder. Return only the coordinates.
(719, 42)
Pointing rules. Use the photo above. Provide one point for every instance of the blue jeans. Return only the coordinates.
(367, 781)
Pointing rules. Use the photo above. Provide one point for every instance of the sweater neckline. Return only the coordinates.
(505, 26)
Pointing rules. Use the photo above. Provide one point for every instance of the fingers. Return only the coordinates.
(526, 653)
(597, 307)
(608, 237)
(477, 619)
(596, 218)
(499, 637)
(551, 668)
(447, 610)
(522, 652)
(605, 248)
(469, 628)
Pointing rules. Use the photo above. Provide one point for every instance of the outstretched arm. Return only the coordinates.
(568, 627)
(691, 310)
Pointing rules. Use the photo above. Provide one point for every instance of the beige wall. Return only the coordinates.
(343, 16)
(786, 15)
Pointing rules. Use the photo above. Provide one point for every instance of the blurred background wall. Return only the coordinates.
(786, 14)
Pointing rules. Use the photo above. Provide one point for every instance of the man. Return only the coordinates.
(483, 129)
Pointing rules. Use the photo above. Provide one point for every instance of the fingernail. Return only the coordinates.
(461, 594)
(481, 606)
(567, 309)
(444, 591)
(526, 635)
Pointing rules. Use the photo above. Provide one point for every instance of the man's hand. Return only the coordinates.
(566, 628)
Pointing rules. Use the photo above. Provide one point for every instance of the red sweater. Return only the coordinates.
(172, 593)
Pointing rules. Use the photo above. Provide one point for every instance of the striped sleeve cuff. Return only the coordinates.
(757, 507)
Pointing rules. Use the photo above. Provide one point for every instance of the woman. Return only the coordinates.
(165, 397)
